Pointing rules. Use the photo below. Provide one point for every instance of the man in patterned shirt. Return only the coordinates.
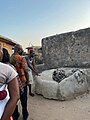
(21, 66)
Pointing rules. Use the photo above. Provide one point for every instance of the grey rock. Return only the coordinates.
(74, 84)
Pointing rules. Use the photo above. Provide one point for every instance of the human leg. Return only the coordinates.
(23, 98)
(31, 82)
(30, 91)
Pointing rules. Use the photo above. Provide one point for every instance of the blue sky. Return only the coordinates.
(28, 21)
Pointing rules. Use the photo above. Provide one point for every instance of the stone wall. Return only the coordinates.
(70, 49)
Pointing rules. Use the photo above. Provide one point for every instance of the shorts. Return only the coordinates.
(30, 77)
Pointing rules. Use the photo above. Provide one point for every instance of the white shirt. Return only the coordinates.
(7, 73)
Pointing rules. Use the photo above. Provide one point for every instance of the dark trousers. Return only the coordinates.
(30, 89)
(23, 99)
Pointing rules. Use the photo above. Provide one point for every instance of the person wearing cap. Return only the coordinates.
(31, 69)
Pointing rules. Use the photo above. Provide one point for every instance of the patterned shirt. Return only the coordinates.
(21, 66)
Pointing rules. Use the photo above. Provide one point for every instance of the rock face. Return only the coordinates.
(69, 49)
(73, 85)
(65, 50)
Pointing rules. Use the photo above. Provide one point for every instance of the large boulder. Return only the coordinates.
(77, 82)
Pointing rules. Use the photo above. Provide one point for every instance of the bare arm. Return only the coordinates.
(32, 67)
(14, 97)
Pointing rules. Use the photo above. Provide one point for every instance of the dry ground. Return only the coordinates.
(44, 109)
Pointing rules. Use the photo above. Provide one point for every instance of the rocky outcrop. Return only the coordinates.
(70, 49)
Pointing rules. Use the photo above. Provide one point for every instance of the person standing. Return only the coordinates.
(6, 60)
(8, 79)
(21, 66)
(32, 69)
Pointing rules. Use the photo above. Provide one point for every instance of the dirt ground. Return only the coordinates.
(44, 109)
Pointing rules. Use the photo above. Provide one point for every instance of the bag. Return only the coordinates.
(4, 99)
